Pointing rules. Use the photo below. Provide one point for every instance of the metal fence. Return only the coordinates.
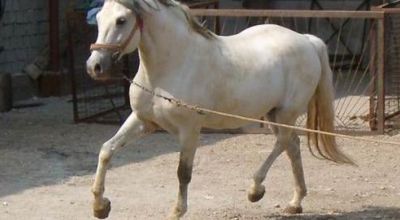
(93, 101)
(367, 85)
(391, 63)
(103, 102)
(356, 48)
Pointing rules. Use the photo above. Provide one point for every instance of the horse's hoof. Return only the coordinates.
(177, 213)
(173, 218)
(256, 193)
(103, 212)
(293, 210)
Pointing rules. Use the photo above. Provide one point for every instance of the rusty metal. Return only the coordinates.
(359, 78)
(208, 4)
(372, 89)
(287, 13)
(370, 62)
(54, 35)
(71, 62)
(389, 31)
(381, 76)
(98, 101)
(93, 101)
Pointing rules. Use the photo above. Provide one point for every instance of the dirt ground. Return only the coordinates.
(47, 164)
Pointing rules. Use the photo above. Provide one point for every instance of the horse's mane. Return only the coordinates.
(192, 21)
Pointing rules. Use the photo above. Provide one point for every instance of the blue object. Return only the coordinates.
(96, 3)
(91, 16)
(95, 8)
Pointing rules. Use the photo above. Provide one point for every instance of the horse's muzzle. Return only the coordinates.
(100, 65)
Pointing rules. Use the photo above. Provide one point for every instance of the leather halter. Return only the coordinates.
(120, 47)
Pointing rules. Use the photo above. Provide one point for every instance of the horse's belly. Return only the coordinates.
(216, 121)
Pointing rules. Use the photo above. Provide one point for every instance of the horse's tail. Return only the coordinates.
(321, 110)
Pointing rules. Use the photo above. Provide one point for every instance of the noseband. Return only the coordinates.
(120, 47)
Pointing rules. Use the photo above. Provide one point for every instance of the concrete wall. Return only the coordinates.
(24, 37)
(23, 33)
(24, 28)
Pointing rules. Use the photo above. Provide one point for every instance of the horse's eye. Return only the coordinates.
(121, 21)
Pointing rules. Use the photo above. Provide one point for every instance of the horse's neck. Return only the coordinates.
(166, 41)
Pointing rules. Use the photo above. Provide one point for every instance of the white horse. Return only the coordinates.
(264, 70)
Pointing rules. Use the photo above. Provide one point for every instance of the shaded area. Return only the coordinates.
(42, 146)
(367, 213)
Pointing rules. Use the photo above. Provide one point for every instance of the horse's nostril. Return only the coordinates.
(97, 68)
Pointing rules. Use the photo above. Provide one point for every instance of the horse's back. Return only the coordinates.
(277, 40)
(278, 55)
(270, 67)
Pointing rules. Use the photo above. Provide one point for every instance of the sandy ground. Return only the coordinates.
(47, 165)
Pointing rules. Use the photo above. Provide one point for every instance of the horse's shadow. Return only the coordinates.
(367, 213)
(61, 161)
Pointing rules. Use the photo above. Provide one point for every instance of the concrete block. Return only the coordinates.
(33, 71)
(23, 87)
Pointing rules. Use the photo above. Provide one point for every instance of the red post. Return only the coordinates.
(50, 81)
(381, 76)
(54, 35)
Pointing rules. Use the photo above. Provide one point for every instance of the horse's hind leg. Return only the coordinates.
(300, 191)
(132, 128)
(257, 190)
(286, 140)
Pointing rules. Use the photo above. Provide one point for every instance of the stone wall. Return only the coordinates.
(23, 33)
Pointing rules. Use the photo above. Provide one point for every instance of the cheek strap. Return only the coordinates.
(120, 47)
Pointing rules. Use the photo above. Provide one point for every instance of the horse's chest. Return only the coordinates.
(154, 109)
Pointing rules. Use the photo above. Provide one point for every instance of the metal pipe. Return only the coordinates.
(54, 35)
(286, 13)
(381, 76)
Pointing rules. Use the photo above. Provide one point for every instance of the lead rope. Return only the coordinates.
(204, 111)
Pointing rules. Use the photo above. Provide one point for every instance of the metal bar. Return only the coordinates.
(89, 99)
(287, 13)
(392, 115)
(71, 68)
(388, 10)
(94, 117)
(372, 89)
(217, 25)
(54, 35)
(203, 4)
(381, 75)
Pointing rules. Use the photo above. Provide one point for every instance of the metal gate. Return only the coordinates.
(355, 44)
(93, 101)
(367, 100)
(391, 63)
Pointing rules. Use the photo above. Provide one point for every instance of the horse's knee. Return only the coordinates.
(105, 153)
(184, 173)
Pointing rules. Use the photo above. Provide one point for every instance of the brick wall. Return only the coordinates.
(24, 32)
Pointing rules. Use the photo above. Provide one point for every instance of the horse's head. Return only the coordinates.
(119, 33)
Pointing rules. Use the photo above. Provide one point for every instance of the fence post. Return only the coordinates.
(381, 74)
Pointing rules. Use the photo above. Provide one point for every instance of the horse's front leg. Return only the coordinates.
(189, 142)
(132, 128)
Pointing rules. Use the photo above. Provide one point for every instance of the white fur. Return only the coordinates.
(263, 68)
